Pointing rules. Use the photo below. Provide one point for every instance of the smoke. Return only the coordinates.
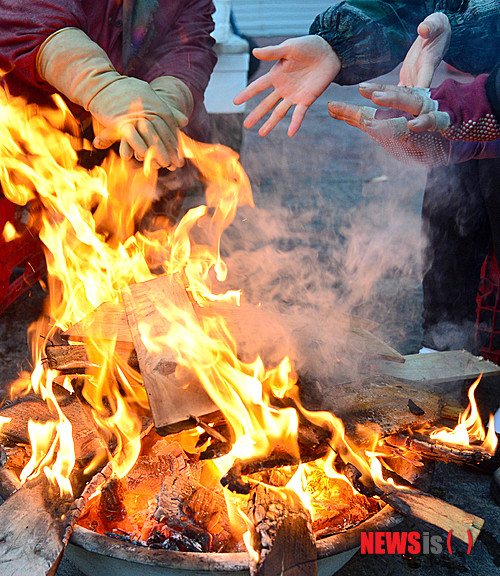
(307, 259)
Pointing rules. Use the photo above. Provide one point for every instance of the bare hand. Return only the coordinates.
(305, 68)
(426, 52)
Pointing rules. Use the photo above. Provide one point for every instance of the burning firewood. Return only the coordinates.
(417, 504)
(89, 445)
(183, 502)
(107, 322)
(36, 521)
(111, 505)
(436, 450)
(171, 400)
(75, 359)
(281, 534)
(161, 503)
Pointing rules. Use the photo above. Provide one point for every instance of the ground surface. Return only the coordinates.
(336, 226)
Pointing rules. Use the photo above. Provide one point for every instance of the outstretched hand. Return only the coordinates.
(391, 129)
(415, 101)
(305, 67)
(426, 52)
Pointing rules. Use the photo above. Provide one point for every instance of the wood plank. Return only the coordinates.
(364, 343)
(107, 322)
(173, 401)
(377, 402)
(440, 367)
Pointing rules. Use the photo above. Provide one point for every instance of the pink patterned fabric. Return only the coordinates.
(471, 117)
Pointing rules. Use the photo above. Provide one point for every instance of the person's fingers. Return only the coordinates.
(157, 152)
(433, 25)
(106, 138)
(125, 150)
(170, 143)
(424, 30)
(393, 128)
(254, 88)
(437, 120)
(279, 112)
(297, 117)
(366, 89)
(262, 109)
(423, 122)
(351, 113)
(269, 53)
(135, 141)
(401, 100)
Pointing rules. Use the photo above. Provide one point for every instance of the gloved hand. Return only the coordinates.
(178, 98)
(390, 129)
(128, 109)
(415, 101)
(459, 111)
(426, 53)
(306, 66)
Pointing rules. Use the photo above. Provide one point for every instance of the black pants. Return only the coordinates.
(461, 216)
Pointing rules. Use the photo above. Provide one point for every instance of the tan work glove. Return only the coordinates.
(129, 109)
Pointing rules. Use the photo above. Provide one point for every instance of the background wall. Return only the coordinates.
(277, 17)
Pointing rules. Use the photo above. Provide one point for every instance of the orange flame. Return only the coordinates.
(88, 227)
(92, 251)
(470, 427)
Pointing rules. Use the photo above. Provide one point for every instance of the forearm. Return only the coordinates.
(370, 38)
(464, 151)
(475, 37)
(24, 26)
(493, 91)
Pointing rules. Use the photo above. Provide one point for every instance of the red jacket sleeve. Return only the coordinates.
(183, 49)
(24, 25)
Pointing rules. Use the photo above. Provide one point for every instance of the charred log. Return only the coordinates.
(277, 459)
(194, 511)
(417, 504)
(282, 533)
(437, 450)
(111, 507)
(89, 445)
(75, 360)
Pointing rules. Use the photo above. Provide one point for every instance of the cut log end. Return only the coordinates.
(282, 537)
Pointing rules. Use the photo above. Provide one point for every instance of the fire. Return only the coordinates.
(3, 421)
(470, 428)
(88, 226)
(9, 232)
